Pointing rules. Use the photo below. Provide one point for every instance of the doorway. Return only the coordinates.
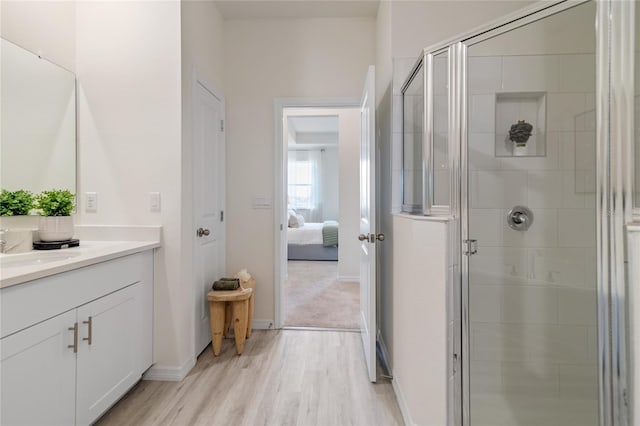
(320, 288)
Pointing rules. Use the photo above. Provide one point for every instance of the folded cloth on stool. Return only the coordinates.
(226, 284)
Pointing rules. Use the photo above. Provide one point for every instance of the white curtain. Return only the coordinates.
(305, 183)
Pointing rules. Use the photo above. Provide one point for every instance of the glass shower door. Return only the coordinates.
(532, 209)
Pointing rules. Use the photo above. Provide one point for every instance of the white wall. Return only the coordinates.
(265, 59)
(44, 27)
(420, 24)
(129, 134)
(420, 320)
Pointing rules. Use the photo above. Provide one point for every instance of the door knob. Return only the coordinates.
(380, 237)
(202, 232)
(363, 237)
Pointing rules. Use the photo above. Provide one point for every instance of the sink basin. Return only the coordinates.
(34, 258)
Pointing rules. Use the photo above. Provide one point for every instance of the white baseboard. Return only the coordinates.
(168, 373)
(347, 278)
(261, 324)
(385, 353)
(402, 403)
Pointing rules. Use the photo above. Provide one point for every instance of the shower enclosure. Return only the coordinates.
(532, 288)
(517, 134)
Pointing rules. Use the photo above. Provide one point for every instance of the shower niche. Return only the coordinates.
(520, 124)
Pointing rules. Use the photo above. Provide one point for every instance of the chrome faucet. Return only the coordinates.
(7, 244)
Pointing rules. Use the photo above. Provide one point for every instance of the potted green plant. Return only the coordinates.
(16, 203)
(56, 223)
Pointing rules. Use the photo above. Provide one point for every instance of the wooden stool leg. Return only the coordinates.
(217, 324)
(250, 316)
(227, 319)
(240, 313)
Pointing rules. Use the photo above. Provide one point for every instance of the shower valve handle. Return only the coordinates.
(520, 218)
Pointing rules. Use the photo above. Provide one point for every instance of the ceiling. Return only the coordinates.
(314, 124)
(255, 9)
(312, 131)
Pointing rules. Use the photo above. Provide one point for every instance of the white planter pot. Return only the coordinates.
(56, 228)
(520, 151)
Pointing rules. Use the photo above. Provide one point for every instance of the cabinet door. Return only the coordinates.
(107, 363)
(38, 374)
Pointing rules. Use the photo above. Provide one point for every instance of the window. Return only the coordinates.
(301, 183)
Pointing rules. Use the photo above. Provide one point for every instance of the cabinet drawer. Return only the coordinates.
(29, 303)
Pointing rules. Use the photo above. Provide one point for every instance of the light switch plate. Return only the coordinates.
(91, 202)
(261, 202)
(154, 201)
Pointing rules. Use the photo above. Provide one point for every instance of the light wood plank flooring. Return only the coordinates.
(284, 377)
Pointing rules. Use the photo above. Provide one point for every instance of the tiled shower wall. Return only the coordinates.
(533, 293)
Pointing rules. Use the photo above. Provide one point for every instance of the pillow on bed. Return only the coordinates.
(291, 216)
(296, 221)
(293, 221)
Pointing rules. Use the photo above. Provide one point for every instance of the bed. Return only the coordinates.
(313, 241)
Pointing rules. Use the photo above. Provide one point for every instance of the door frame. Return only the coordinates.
(280, 175)
(197, 78)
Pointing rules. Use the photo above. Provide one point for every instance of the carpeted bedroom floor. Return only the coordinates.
(315, 298)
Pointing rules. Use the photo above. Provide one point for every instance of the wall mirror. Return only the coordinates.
(38, 122)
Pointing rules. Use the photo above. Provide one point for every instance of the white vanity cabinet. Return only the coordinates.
(74, 343)
(38, 374)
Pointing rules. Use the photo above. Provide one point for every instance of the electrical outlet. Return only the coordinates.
(91, 201)
(154, 201)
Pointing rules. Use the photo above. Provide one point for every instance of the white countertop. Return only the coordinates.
(20, 268)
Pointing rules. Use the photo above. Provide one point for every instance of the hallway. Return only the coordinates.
(284, 377)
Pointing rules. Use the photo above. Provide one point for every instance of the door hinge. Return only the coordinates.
(222, 125)
(455, 363)
(221, 215)
(470, 247)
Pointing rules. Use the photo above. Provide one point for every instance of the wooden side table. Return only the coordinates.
(252, 285)
(239, 302)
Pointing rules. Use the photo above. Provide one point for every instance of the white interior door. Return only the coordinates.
(368, 236)
(208, 201)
